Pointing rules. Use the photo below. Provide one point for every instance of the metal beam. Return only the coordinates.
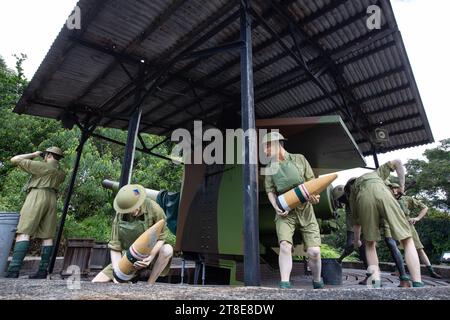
(223, 68)
(334, 93)
(212, 51)
(375, 157)
(277, 83)
(163, 64)
(108, 51)
(84, 137)
(91, 112)
(259, 48)
(210, 34)
(296, 107)
(250, 150)
(120, 143)
(88, 14)
(352, 110)
(406, 145)
(127, 165)
(298, 78)
(392, 107)
(367, 39)
(398, 132)
(164, 16)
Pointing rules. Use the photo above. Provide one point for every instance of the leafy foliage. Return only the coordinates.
(434, 233)
(432, 176)
(90, 211)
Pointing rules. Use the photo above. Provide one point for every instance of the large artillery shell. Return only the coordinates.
(300, 194)
(138, 251)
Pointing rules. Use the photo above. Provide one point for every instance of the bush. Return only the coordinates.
(434, 232)
(97, 227)
(337, 239)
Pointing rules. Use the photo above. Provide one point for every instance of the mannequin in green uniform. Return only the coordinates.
(288, 171)
(371, 201)
(341, 196)
(135, 214)
(38, 213)
(407, 204)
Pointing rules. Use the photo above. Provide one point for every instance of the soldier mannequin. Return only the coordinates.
(371, 201)
(409, 203)
(292, 171)
(341, 194)
(38, 213)
(135, 214)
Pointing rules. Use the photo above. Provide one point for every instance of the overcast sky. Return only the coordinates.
(30, 26)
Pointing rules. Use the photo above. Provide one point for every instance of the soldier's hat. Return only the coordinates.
(55, 150)
(273, 136)
(391, 184)
(338, 192)
(129, 198)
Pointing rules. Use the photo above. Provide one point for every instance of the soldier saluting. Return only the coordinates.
(38, 213)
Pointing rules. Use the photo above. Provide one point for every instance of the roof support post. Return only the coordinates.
(375, 157)
(130, 147)
(250, 151)
(85, 133)
(133, 131)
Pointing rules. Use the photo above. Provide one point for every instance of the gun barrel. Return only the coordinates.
(114, 185)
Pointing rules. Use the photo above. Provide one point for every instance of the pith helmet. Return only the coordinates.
(129, 198)
(55, 150)
(349, 185)
(392, 184)
(273, 136)
(338, 192)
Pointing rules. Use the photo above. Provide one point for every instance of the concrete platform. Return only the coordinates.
(66, 289)
(23, 288)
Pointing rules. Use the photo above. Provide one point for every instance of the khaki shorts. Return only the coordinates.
(38, 214)
(417, 243)
(108, 270)
(386, 230)
(374, 203)
(302, 219)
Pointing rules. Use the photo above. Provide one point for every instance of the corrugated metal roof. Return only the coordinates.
(88, 71)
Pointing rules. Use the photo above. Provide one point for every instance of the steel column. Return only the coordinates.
(130, 147)
(250, 168)
(83, 139)
(375, 158)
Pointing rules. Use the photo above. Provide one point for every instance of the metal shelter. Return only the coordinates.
(153, 66)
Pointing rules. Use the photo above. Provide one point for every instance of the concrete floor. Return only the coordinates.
(24, 288)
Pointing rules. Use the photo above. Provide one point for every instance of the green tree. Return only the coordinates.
(432, 176)
(90, 211)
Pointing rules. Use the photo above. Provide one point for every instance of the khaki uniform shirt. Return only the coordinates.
(38, 213)
(408, 203)
(43, 174)
(126, 228)
(294, 170)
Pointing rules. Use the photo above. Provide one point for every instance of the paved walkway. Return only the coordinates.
(24, 288)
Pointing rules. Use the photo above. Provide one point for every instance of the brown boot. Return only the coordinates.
(405, 282)
(432, 273)
(363, 281)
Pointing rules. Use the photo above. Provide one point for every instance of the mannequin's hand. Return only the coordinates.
(313, 199)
